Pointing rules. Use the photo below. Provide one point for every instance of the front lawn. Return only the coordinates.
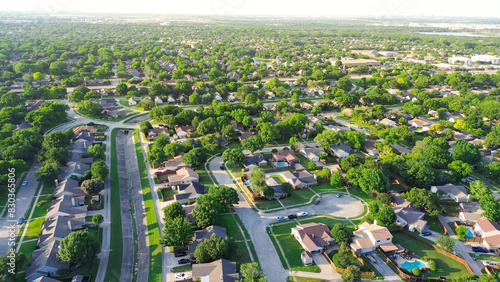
(298, 197)
(485, 257)
(232, 230)
(325, 187)
(291, 247)
(167, 193)
(42, 209)
(182, 268)
(34, 229)
(267, 204)
(240, 253)
(433, 225)
(447, 266)
(308, 268)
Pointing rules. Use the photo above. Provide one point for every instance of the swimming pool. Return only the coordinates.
(282, 164)
(411, 265)
(469, 234)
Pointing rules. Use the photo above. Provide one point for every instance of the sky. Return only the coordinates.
(365, 8)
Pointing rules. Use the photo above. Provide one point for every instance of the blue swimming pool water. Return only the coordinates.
(411, 265)
(282, 164)
(469, 233)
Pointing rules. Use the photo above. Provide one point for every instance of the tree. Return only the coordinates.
(373, 180)
(38, 76)
(56, 140)
(311, 165)
(177, 232)
(99, 170)
(195, 158)
(226, 196)
(351, 274)
(194, 98)
(445, 243)
(340, 233)
(387, 215)
(145, 126)
(416, 271)
(466, 152)
(206, 211)
(122, 89)
(342, 257)
(336, 180)
(287, 187)
(328, 138)
(252, 144)
(268, 132)
(384, 198)
(213, 249)
(257, 179)
(48, 173)
(294, 142)
(88, 106)
(252, 272)
(92, 186)
(173, 211)
(6, 263)
(96, 152)
(229, 131)
(234, 157)
(461, 231)
(78, 247)
(459, 169)
(344, 83)
(147, 104)
(493, 170)
(97, 219)
(356, 139)
(351, 161)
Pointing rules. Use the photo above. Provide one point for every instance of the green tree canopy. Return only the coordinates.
(78, 247)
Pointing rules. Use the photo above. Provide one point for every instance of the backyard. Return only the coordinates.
(446, 266)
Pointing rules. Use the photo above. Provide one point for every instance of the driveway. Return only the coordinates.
(384, 269)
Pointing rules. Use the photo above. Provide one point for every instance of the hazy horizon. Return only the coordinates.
(360, 8)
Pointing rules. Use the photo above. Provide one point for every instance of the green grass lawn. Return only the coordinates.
(485, 257)
(328, 221)
(291, 247)
(34, 229)
(433, 225)
(305, 279)
(448, 267)
(155, 266)
(116, 245)
(326, 187)
(275, 243)
(163, 176)
(359, 193)
(352, 260)
(27, 249)
(182, 268)
(168, 193)
(303, 160)
(48, 189)
(232, 230)
(267, 204)
(205, 179)
(308, 268)
(42, 209)
(124, 102)
(452, 209)
(298, 197)
(240, 253)
(235, 170)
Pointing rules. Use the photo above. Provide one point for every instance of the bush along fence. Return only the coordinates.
(341, 270)
(450, 255)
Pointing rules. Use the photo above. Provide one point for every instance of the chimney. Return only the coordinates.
(57, 182)
(69, 225)
(375, 222)
(73, 202)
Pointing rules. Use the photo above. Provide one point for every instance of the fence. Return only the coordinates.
(341, 270)
(458, 223)
(452, 256)
(157, 174)
(254, 195)
(445, 231)
(474, 239)
(163, 198)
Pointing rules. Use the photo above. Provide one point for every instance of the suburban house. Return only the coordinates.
(275, 183)
(189, 192)
(44, 262)
(314, 237)
(388, 122)
(337, 128)
(286, 156)
(251, 161)
(154, 132)
(312, 153)
(470, 212)
(314, 120)
(341, 151)
(238, 126)
(300, 179)
(369, 236)
(306, 106)
(175, 163)
(407, 215)
(184, 131)
(59, 228)
(400, 149)
(188, 210)
(73, 207)
(490, 232)
(221, 270)
(69, 187)
(185, 175)
(245, 135)
(158, 100)
(455, 192)
(463, 136)
(370, 149)
(132, 101)
(205, 234)
(418, 123)
(306, 258)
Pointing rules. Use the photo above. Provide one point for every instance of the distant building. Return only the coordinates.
(455, 192)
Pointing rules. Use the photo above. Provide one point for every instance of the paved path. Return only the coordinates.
(327, 272)
(384, 269)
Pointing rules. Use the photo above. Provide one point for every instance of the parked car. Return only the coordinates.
(221, 168)
(161, 168)
(25, 183)
(183, 261)
(301, 214)
(20, 220)
(426, 233)
(292, 216)
(181, 276)
(338, 195)
(317, 201)
(490, 262)
(181, 254)
(479, 250)
(281, 218)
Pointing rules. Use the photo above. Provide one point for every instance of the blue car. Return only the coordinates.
(338, 195)
(479, 250)
(20, 220)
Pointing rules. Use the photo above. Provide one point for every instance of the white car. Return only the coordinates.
(161, 168)
(181, 275)
(490, 263)
(301, 214)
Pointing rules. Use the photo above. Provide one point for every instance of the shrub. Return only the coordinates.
(416, 271)
(274, 150)
(432, 265)
(41, 203)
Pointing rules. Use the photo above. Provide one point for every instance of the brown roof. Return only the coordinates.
(487, 225)
(493, 240)
(378, 232)
(287, 155)
(220, 270)
(182, 174)
(186, 128)
(313, 234)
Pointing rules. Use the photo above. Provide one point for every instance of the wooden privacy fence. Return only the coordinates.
(445, 231)
(474, 239)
